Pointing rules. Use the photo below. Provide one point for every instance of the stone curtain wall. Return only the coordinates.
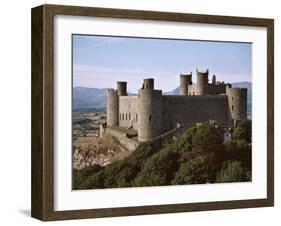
(216, 89)
(126, 142)
(128, 110)
(211, 89)
(193, 109)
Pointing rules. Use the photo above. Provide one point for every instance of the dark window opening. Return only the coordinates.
(126, 116)
(136, 117)
(150, 118)
(232, 107)
(129, 116)
(123, 116)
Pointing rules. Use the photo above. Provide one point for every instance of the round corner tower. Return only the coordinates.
(150, 111)
(202, 82)
(237, 102)
(185, 81)
(112, 108)
(122, 88)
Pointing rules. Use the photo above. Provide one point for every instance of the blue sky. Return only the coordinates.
(100, 61)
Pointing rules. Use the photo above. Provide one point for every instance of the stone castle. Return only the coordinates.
(151, 114)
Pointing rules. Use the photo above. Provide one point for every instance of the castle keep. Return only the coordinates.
(151, 113)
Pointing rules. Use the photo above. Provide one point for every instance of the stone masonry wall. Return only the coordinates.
(126, 142)
(211, 89)
(128, 111)
(193, 109)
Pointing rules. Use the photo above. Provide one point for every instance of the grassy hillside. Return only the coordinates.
(198, 156)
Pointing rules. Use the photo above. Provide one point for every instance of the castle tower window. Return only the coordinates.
(129, 116)
(232, 98)
(120, 116)
(126, 116)
(150, 118)
(136, 117)
(232, 107)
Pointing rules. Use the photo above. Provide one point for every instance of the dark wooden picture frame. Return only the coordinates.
(42, 203)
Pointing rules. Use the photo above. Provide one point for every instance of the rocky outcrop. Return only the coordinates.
(97, 151)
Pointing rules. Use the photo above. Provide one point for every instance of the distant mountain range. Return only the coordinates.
(85, 98)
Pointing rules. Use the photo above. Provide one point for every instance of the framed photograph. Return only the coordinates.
(142, 112)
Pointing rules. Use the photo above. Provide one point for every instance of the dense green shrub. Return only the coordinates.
(240, 151)
(243, 131)
(159, 169)
(194, 171)
(79, 176)
(232, 171)
(207, 138)
(197, 156)
(184, 142)
(95, 180)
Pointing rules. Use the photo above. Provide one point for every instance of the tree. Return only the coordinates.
(207, 138)
(194, 171)
(243, 131)
(240, 151)
(159, 169)
(232, 171)
(94, 181)
(184, 142)
(79, 176)
(208, 141)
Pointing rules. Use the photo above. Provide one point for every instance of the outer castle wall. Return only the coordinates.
(193, 109)
(210, 90)
(128, 112)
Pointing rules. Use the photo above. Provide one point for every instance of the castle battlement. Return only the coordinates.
(151, 113)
